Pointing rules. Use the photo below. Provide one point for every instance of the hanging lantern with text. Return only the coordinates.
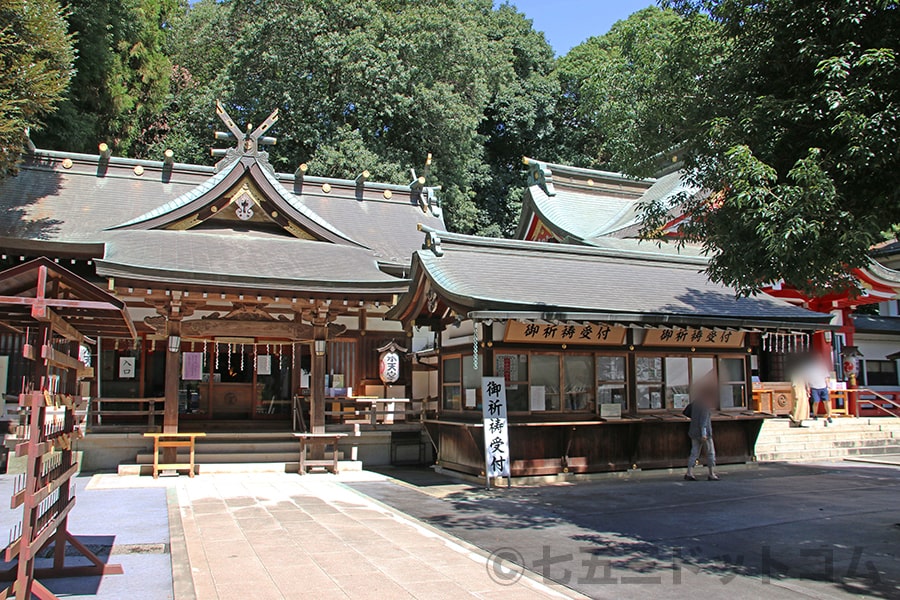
(389, 363)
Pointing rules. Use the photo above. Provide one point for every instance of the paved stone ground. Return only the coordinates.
(273, 536)
(131, 529)
(770, 531)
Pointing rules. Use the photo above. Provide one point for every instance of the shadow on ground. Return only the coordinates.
(778, 530)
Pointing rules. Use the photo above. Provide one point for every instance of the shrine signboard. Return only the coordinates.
(590, 334)
(694, 337)
(496, 428)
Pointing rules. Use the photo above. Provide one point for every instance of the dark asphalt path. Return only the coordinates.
(771, 531)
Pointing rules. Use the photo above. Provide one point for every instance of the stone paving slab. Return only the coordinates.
(284, 536)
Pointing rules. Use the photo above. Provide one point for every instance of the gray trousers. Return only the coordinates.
(696, 446)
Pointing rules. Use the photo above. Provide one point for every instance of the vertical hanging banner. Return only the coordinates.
(496, 431)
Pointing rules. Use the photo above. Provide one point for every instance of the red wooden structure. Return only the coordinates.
(65, 311)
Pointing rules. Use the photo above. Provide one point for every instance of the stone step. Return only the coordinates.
(264, 467)
(234, 457)
(825, 444)
(849, 422)
(832, 453)
(248, 447)
(823, 437)
(818, 440)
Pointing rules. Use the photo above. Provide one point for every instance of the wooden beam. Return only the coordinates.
(59, 303)
(58, 325)
(12, 328)
(60, 359)
(210, 328)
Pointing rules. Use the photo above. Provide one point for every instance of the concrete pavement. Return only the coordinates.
(130, 528)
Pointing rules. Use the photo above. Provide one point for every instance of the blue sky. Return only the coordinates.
(567, 23)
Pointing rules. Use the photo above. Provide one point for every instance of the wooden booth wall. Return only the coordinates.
(551, 448)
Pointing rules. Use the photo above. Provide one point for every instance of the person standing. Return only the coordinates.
(700, 432)
(818, 377)
(800, 410)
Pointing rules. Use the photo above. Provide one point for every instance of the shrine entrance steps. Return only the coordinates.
(252, 452)
(279, 451)
(845, 438)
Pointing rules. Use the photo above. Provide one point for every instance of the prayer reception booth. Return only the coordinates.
(598, 348)
(586, 207)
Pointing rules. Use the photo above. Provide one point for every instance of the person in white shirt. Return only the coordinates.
(818, 376)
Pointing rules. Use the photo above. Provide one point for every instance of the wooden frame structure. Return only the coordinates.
(46, 495)
(66, 312)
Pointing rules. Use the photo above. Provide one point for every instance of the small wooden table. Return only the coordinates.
(318, 439)
(173, 440)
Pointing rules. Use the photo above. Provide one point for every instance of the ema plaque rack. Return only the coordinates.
(46, 495)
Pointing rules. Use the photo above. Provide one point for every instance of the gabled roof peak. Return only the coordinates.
(547, 175)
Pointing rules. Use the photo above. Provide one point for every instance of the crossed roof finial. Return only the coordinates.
(249, 142)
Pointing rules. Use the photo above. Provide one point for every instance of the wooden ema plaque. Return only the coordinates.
(591, 334)
(46, 496)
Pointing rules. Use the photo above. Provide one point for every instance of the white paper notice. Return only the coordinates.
(264, 364)
(611, 411)
(127, 367)
(538, 398)
(496, 432)
(304, 378)
(470, 398)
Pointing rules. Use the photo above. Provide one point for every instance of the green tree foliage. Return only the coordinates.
(35, 67)
(631, 93)
(378, 84)
(797, 130)
(122, 76)
(198, 43)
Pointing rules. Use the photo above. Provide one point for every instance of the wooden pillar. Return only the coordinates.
(317, 383)
(173, 376)
(41, 372)
(317, 393)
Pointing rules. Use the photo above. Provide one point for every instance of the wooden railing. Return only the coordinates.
(884, 402)
(372, 412)
(138, 414)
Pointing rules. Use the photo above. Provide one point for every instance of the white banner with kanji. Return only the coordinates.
(496, 431)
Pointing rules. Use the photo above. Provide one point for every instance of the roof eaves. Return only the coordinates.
(549, 223)
(298, 205)
(891, 276)
(819, 321)
(182, 200)
(112, 269)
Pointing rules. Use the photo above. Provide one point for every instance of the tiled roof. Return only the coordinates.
(236, 259)
(876, 324)
(583, 213)
(81, 201)
(488, 274)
